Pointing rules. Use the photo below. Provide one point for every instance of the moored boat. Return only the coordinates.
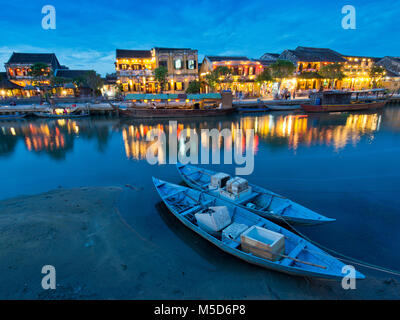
(336, 101)
(62, 115)
(136, 112)
(12, 116)
(248, 236)
(251, 197)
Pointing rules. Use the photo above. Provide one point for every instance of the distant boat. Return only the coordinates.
(258, 200)
(12, 116)
(147, 112)
(336, 101)
(61, 116)
(248, 236)
(283, 107)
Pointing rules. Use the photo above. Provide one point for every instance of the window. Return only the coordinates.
(178, 86)
(191, 65)
(163, 63)
(178, 64)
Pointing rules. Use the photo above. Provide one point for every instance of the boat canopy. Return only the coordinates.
(172, 96)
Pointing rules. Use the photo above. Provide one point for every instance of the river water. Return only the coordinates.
(342, 165)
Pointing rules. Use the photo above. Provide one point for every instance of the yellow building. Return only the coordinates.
(182, 65)
(391, 80)
(135, 69)
(357, 70)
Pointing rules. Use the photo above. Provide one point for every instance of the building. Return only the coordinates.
(357, 70)
(270, 57)
(8, 88)
(19, 65)
(182, 65)
(242, 76)
(135, 69)
(391, 80)
(72, 77)
(308, 62)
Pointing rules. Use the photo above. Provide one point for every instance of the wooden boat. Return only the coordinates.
(336, 101)
(61, 116)
(297, 257)
(259, 200)
(283, 107)
(12, 116)
(174, 112)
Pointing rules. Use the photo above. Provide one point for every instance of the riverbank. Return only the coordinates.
(98, 255)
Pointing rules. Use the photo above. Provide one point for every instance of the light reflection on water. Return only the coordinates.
(56, 137)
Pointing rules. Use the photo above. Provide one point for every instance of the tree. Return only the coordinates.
(94, 81)
(194, 87)
(281, 69)
(218, 75)
(333, 72)
(161, 74)
(376, 73)
(264, 76)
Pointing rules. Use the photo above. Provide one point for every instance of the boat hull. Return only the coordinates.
(174, 113)
(60, 116)
(252, 259)
(278, 218)
(348, 107)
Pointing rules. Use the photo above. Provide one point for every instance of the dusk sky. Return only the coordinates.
(87, 33)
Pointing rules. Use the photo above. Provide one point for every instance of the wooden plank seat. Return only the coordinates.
(293, 254)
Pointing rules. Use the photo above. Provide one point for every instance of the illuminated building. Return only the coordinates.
(135, 69)
(70, 89)
(243, 72)
(357, 70)
(182, 65)
(8, 88)
(308, 62)
(391, 80)
(19, 65)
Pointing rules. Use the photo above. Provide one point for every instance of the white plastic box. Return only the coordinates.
(263, 243)
(213, 219)
(219, 180)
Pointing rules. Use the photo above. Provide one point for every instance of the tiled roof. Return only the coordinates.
(31, 58)
(133, 54)
(70, 74)
(307, 54)
(227, 58)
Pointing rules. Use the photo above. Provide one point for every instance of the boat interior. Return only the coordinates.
(187, 203)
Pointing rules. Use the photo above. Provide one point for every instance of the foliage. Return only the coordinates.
(264, 76)
(194, 87)
(94, 81)
(282, 69)
(376, 73)
(218, 75)
(161, 74)
(39, 70)
(58, 81)
(333, 71)
(309, 75)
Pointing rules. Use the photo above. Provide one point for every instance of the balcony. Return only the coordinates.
(135, 73)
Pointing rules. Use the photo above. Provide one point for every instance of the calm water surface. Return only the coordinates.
(342, 165)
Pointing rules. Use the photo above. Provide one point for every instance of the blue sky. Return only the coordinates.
(88, 32)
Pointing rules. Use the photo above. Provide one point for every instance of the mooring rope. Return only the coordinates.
(344, 258)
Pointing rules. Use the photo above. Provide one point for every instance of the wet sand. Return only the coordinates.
(99, 255)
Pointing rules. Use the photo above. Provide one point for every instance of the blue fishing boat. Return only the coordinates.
(248, 236)
(251, 197)
(12, 116)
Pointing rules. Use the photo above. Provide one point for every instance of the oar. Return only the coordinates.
(285, 256)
